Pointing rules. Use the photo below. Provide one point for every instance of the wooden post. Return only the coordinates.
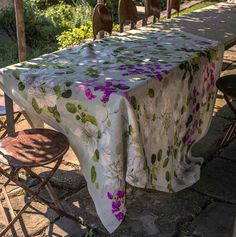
(20, 30)
(101, 33)
(168, 9)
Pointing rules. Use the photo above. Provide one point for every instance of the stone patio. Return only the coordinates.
(207, 209)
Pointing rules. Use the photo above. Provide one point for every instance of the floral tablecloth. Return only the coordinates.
(131, 105)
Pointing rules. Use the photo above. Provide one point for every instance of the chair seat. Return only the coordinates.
(3, 108)
(227, 85)
(32, 148)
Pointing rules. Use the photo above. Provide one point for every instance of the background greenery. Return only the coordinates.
(50, 25)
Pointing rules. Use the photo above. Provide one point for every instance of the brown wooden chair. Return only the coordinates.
(102, 20)
(26, 150)
(152, 8)
(127, 11)
(175, 4)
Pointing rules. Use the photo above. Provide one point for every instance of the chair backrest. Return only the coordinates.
(175, 4)
(152, 8)
(127, 11)
(102, 20)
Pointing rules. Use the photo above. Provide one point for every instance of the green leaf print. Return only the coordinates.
(153, 158)
(66, 94)
(36, 106)
(109, 123)
(97, 185)
(134, 102)
(159, 155)
(122, 87)
(57, 89)
(57, 116)
(91, 72)
(68, 83)
(96, 155)
(130, 130)
(151, 93)
(16, 75)
(71, 108)
(167, 175)
(70, 71)
(91, 119)
(21, 86)
(165, 163)
(93, 174)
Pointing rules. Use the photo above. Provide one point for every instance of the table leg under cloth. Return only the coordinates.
(131, 106)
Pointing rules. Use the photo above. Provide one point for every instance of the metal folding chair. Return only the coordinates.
(227, 85)
(26, 150)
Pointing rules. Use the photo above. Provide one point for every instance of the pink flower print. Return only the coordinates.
(89, 94)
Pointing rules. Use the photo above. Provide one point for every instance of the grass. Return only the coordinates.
(194, 8)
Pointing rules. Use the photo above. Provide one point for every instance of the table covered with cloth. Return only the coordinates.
(131, 106)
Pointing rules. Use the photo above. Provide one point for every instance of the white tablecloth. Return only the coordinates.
(131, 106)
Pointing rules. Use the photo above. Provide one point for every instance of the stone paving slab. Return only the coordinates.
(149, 213)
(203, 22)
(218, 180)
(208, 143)
(217, 220)
(36, 218)
(65, 227)
(230, 151)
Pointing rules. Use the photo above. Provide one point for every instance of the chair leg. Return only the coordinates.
(229, 136)
(48, 187)
(15, 121)
(230, 105)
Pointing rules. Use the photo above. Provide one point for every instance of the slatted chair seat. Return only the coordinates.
(26, 150)
(152, 8)
(127, 11)
(102, 20)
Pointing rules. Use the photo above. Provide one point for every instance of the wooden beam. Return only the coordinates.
(20, 29)
(168, 9)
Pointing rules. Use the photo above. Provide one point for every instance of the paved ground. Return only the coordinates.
(207, 209)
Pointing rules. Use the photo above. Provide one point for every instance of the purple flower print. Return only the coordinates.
(121, 193)
(118, 204)
(89, 94)
(153, 70)
(108, 87)
(202, 42)
(120, 216)
(109, 195)
(111, 87)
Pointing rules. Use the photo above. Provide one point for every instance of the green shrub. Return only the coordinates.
(74, 36)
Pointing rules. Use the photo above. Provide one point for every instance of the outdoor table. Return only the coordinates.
(131, 106)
